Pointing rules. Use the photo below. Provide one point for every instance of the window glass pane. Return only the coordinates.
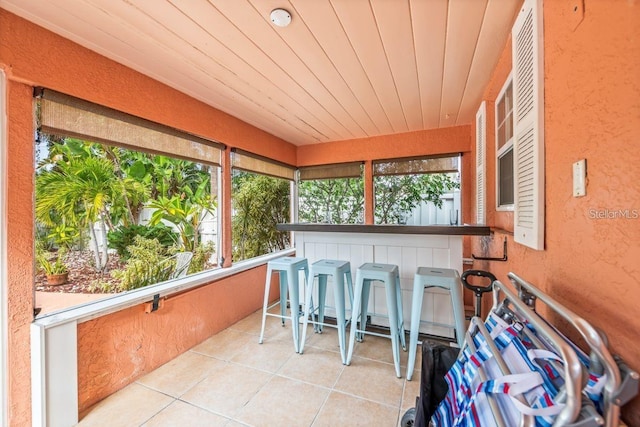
(501, 135)
(500, 111)
(508, 129)
(508, 99)
(333, 201)
(116, 219)
(417, 199)
(505, 178)
(504, 117)
(259, 203)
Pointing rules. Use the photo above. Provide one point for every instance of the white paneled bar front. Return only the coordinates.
(403, 246)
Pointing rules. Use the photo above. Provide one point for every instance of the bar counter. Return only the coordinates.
(444, 230)
(406, 246)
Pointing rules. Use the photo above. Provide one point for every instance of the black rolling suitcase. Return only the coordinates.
(437, 359)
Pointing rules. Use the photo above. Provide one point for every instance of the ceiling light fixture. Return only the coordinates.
(280, 17)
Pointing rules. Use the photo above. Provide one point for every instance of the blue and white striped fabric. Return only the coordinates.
(594, 388)
(595, 385)
(466, 403)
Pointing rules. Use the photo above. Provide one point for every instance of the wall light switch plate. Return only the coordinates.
(580, 178)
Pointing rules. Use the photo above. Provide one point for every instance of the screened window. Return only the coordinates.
(261, 199)
(332, 194)
(121, 202)
(417, 191)
(504, 143)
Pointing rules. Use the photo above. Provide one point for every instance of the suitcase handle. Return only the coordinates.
(477, 289)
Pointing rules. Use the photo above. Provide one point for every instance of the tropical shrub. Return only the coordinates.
(123, 237)
(186, 211)
(146, 265)
(200, 257)
(259, 203)
(51, 264)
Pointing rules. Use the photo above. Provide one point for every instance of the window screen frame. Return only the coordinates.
(507, 145)
(72, 117)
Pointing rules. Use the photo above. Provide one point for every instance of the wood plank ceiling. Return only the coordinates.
(342, 69)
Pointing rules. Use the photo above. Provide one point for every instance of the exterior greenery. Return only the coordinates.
(396, 196)
(82, 184)
(123, 236)
(334, 201)
(259, 203)
(341, 201)
(147, 265)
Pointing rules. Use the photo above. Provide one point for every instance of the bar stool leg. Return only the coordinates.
(401, 330)
(355, 313)
(295, 309)
(392, 306)
(307, 311)
(338, 294)
(347, 275)
(366, 289)
(265, 305)
(458, 312)
(322, 294)
(283, 295)
(416, 309)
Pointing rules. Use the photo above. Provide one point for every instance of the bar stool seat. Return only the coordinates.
(427, 277)
(288, 268)
(389, 275)
(341, 272)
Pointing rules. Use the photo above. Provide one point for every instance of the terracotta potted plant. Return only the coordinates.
(54, 268)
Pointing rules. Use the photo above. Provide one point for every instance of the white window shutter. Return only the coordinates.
(528, 93)
(481, 152)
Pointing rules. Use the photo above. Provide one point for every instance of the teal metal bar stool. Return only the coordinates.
(288, 268)
(427, 277)
(389, 275)
(341, 273)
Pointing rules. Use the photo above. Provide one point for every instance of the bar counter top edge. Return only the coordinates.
(447, 230)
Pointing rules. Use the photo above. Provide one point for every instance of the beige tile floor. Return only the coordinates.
(231, 380)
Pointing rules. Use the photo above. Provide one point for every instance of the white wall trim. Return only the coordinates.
(4, 315)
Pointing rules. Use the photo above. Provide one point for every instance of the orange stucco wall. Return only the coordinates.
(115, 350)
(592, 111)
(20, 250)
(428, 142)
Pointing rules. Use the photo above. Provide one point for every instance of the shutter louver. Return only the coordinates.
(481, 143)
(528, 146)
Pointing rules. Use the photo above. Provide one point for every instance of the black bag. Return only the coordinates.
(437, 359)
